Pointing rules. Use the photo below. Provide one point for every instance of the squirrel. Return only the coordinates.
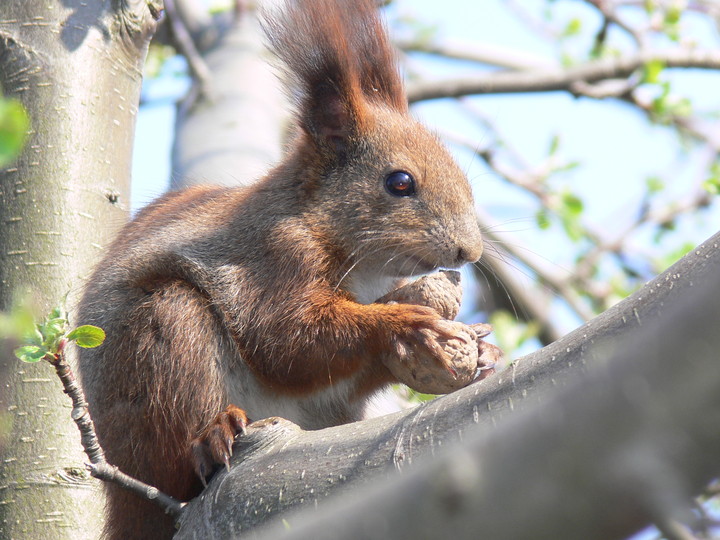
(263, 296)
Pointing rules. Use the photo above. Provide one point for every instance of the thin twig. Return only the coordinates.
(199, 71)
(482, 53)
(611, 17)
(98, 466)
(684, 124)
(559, 286)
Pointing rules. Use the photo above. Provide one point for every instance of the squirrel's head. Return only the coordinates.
(396, 200)
(387, 191)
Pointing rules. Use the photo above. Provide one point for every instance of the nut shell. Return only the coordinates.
(457, 366)
(441, 291)
(430, 375)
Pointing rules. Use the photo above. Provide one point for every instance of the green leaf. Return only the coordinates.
(569, 166)
(554, 145)
(14, 125)
(87, 336)
(567, 60)
(58, 313)
(572, 28)
(33, 337)
(417, 397)
(19, 324)
(619, 287)
(682, 108)
(572, 227)
(671, 22)
(157, 56)
(712, 186)
(220, 7)
(659, 105)
(569, 213)
(53, 329)
(673, 14)
(30, 353)
(542, 219)
(654, 184)
(667, 260)
(572, 204)
(652, 71)
(510, 333)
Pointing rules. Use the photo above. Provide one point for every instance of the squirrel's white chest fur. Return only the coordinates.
(366, 288)
(329, 407)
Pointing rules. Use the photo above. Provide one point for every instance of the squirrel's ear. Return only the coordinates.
(331, 117)
(338, 62)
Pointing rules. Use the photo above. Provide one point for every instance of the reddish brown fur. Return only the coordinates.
(253, 295)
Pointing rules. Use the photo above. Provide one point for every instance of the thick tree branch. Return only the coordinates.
(618, 447)
(548, 80)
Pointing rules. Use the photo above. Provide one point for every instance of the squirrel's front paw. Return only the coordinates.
(431, 354)
(214, 445)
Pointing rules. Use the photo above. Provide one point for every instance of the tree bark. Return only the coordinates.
(76, 66)
(591, 437)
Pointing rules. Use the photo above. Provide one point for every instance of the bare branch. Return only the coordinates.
(198, 69)
(547, 80)
(611, 17)
(560, 286)
(527, 303)
(483, 53)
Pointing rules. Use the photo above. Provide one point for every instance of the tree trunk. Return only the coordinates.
(233, 133)
(594, 436)
(76, 67)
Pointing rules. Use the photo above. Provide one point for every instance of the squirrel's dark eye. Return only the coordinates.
(400, 184)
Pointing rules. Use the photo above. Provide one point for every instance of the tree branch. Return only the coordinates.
(199, 71)
(548, 80)
(483, 53)
(209, 144)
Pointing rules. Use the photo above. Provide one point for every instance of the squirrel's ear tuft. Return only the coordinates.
(338, 60)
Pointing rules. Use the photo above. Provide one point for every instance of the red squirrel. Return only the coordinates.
(262, 296)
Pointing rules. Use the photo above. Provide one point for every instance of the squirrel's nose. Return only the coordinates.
(470, 245)
(470, 253)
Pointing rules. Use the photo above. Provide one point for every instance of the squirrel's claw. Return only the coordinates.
(214, 445)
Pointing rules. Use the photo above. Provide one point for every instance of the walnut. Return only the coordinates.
(460, 359)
